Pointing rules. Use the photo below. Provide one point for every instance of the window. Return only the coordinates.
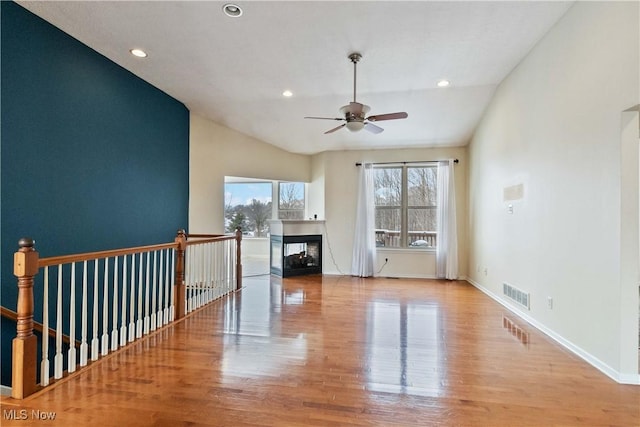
(248, 205)
(290, 200)
(406, 205)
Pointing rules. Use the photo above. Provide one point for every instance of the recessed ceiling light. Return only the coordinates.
(232, 10)
(287, 93)
(443, 83)
(139, 53)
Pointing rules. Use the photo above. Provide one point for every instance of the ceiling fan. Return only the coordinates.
(355, 113)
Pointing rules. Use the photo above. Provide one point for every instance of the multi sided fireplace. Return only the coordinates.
(293, 253)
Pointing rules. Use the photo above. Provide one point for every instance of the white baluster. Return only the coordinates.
(139, 321)
(187, 275)
(172, 313)
(146, 296)
(231, 262)
(200, 276)
(215, 267)
(194, 274)
(105, 309)
(227, 271)
(114, 319)
(227, 262)
(95, 347)
(222, 265)
(71, 355)
(234, 263)
(58, 359)
(215, 283)
(230, 257)
(123, 326)
(159, 318)
(154, 284)
(84, 348)
(215, 262)
(212, 270)
(220, 281)
(132, 300)
(44, 364)
(208, 272)
(195, 278)
(167, 284)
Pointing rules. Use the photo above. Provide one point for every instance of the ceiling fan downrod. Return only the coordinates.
(354, 57)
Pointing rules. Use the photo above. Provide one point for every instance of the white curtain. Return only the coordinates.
(447, 247)
(364, 245)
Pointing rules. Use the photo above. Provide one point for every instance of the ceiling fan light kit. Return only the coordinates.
(355, 126)
(355, 113)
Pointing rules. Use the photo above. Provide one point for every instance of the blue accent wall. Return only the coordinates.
(92, 157)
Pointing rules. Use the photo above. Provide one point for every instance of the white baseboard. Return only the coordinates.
(5, 390)
(618, 377)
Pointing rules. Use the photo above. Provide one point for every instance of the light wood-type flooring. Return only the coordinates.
(340, 351)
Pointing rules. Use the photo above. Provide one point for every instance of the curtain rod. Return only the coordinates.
(405, 163)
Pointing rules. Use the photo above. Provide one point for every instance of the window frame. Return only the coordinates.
(404, 206)
(304, 200)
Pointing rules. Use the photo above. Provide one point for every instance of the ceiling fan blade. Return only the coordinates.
(325, 118)
(335, 128)
(390, 116)
(373, 128)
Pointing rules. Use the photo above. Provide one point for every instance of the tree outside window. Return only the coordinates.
(290, 200)
(248, 205)
(406, 205)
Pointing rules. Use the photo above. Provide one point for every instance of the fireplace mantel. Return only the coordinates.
(296, 227)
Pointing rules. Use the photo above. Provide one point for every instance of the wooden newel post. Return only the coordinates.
(238, 258)
(24, 363)
(180, 290)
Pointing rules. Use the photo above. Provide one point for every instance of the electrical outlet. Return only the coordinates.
(550, 303)
(486, 271)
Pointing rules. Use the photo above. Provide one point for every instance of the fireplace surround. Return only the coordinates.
(294, 250)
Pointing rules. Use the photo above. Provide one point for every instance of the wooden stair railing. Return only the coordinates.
(27, 264)
(238, 237)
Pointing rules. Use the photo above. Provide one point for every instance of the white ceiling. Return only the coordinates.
(234, 70)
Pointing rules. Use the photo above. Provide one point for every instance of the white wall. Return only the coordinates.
(340, 185)
(215, 152)
(316, 188)
(554, 126)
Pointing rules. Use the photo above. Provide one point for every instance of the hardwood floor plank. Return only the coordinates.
(345, 351)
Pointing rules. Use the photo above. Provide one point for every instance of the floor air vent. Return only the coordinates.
(516, 295)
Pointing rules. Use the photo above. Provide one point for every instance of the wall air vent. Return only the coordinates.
(517, 295)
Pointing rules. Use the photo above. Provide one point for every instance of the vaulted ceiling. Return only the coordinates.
(234, 70)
